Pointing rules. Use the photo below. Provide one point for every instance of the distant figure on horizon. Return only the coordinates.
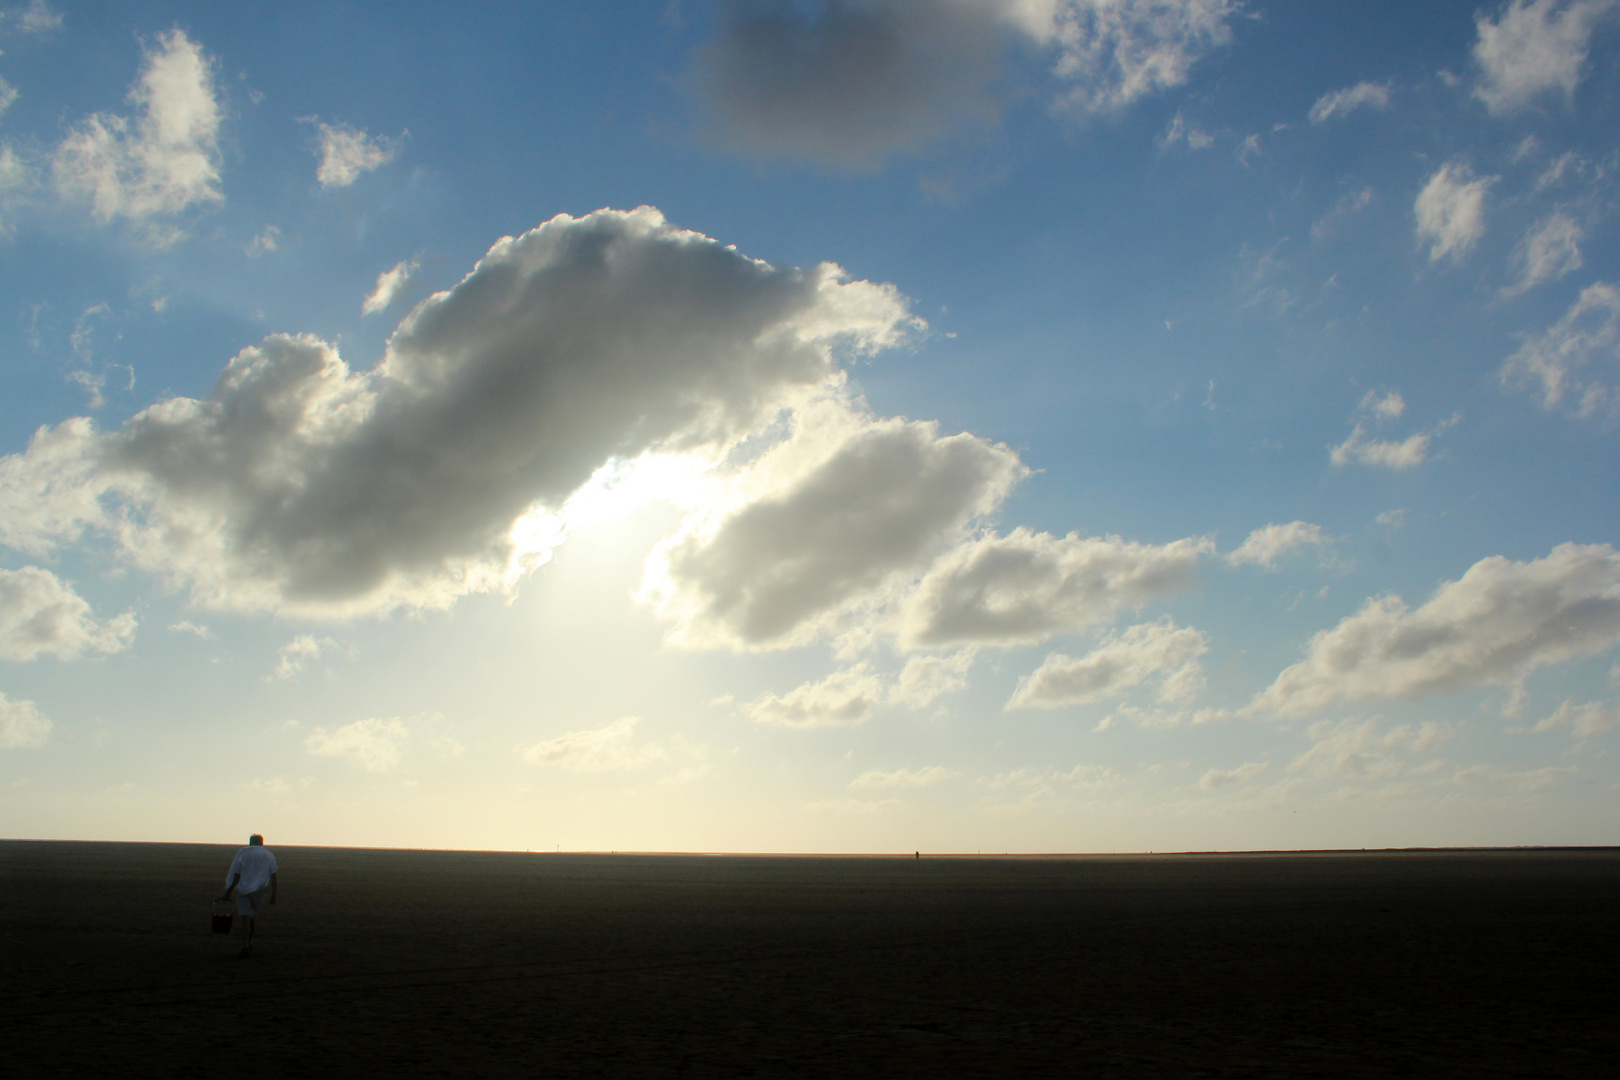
(251, 876)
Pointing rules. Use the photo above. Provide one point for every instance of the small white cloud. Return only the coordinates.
(299, 653)
(1498, 623)
(347, 152)
(390, 283)
(1265, 545)
(1551, 249)
(21, 724)
(1218, 778)
(1381, 453)
(902, 779)
(267, 241)
(38, 18)
(1583, 721)
(1534, 47)
(1026, 587)
(41, 615)
(1388, 405)
(1158, 651)
(1180, 133)
(605, 749)
(1451, 211)
(1367, 95)
(163, 160)
(842, 699)
(194, 629)
(1392, 519)
(926, 679)
(376, 744)
(1559, 360)
(1115, 52)
(8, 96)
(1398, 454)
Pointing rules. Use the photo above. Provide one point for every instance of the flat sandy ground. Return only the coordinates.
(388, 963)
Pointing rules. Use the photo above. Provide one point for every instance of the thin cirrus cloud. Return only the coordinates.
(1159, 651)
(41, 615)
(1558, 363)
(347, 152)
(1533, 49)
(391, 284)
(1338, 103)
(304, 487)
(1366, 748)
(1450, 211)
(849, 85)
(612, 747)
(1494, 626)
(902, 779)
(164, 159)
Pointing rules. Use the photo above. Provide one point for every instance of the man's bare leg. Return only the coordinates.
(247, 929)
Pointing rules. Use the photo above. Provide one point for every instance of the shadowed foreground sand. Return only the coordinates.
(472, 964)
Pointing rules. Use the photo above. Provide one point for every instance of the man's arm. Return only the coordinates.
(272, 886)
(232, 886)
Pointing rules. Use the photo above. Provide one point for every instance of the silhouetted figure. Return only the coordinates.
(252, 877)
(919, 856)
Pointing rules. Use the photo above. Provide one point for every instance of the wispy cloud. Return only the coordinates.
(1366, 95)
(21, 724)
(1551, 249)
(1559, 362)
(376, 744)
(902, 779)
(299, 653)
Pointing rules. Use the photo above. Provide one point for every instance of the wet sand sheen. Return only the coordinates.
(467, 963)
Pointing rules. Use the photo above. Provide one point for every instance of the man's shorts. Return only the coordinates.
(249, 903)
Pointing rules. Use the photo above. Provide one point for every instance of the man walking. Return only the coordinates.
(252, 875)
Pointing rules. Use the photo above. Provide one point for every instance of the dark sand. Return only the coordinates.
(482, 964)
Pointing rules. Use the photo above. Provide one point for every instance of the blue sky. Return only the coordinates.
(1017, 425)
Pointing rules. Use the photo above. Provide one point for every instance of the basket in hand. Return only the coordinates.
(222, 918)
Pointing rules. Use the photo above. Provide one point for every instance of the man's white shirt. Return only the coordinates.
(255, 864)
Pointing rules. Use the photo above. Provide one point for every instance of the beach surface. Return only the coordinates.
(1477, 963)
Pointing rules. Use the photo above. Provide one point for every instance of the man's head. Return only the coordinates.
(256, 840)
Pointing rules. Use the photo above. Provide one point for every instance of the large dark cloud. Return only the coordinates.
(299, 484)
(847, 82)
